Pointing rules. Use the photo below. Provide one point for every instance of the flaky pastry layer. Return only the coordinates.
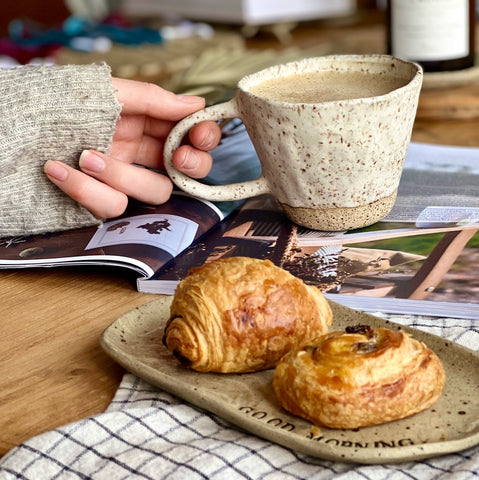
(242, 314)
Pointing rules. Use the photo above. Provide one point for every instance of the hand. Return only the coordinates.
(148, 114)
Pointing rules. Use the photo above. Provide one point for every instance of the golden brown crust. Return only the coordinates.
(366, 377)
(242, 314)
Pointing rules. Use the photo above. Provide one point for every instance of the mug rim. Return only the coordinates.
(416, 75)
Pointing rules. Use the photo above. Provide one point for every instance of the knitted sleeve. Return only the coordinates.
(49, 113)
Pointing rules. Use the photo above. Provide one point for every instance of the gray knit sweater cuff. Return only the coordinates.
(49, 113)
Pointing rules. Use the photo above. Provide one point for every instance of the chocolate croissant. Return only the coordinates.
(242, 314)
(359, 377)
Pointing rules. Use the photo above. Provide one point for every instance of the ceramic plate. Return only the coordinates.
(248, 401)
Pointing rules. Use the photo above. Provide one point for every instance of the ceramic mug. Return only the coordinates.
(332, 159)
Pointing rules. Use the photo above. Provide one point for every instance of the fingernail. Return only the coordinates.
(190, 160)
(189, 98)
(92, 162)
(56, 170)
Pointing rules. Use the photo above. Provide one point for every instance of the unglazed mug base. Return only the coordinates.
(333, 219)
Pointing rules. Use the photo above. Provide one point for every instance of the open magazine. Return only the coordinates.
(378, 268)
(438, 198)
(356, 263)
(144, 239)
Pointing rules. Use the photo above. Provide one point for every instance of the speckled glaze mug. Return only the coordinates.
(333, 159)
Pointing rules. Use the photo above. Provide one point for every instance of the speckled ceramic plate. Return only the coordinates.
(248, 400)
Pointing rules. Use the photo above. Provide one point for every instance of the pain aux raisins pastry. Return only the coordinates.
(242, 314)
(359, 377)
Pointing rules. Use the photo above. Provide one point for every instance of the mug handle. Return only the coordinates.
(233, 191)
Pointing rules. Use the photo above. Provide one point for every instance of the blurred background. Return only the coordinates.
(199, 47)
(188, 46)
(56, 11)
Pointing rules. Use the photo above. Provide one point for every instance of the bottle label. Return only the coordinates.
(430, 30)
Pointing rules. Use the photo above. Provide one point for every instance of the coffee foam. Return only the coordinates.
(326, 86)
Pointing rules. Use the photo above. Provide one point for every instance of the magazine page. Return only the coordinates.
(143, 239)
(382, 262)
(438, 176)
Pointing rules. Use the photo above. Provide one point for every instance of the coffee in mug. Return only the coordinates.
(325, 86)
(331, 134)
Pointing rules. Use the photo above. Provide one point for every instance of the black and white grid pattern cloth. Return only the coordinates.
(149, 434)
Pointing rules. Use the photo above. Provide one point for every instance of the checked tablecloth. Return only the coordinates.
(147, 433)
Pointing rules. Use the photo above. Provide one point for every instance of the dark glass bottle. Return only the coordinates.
(438, 34)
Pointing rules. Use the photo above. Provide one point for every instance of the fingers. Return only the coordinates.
(152, 100)
(104, 184)
(197, 162)
(136, 182)
(192, 162)
(148, 114)
(102, 200)
(148, 151)
(205, 135)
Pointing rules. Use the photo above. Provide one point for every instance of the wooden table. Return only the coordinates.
(52, 369)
